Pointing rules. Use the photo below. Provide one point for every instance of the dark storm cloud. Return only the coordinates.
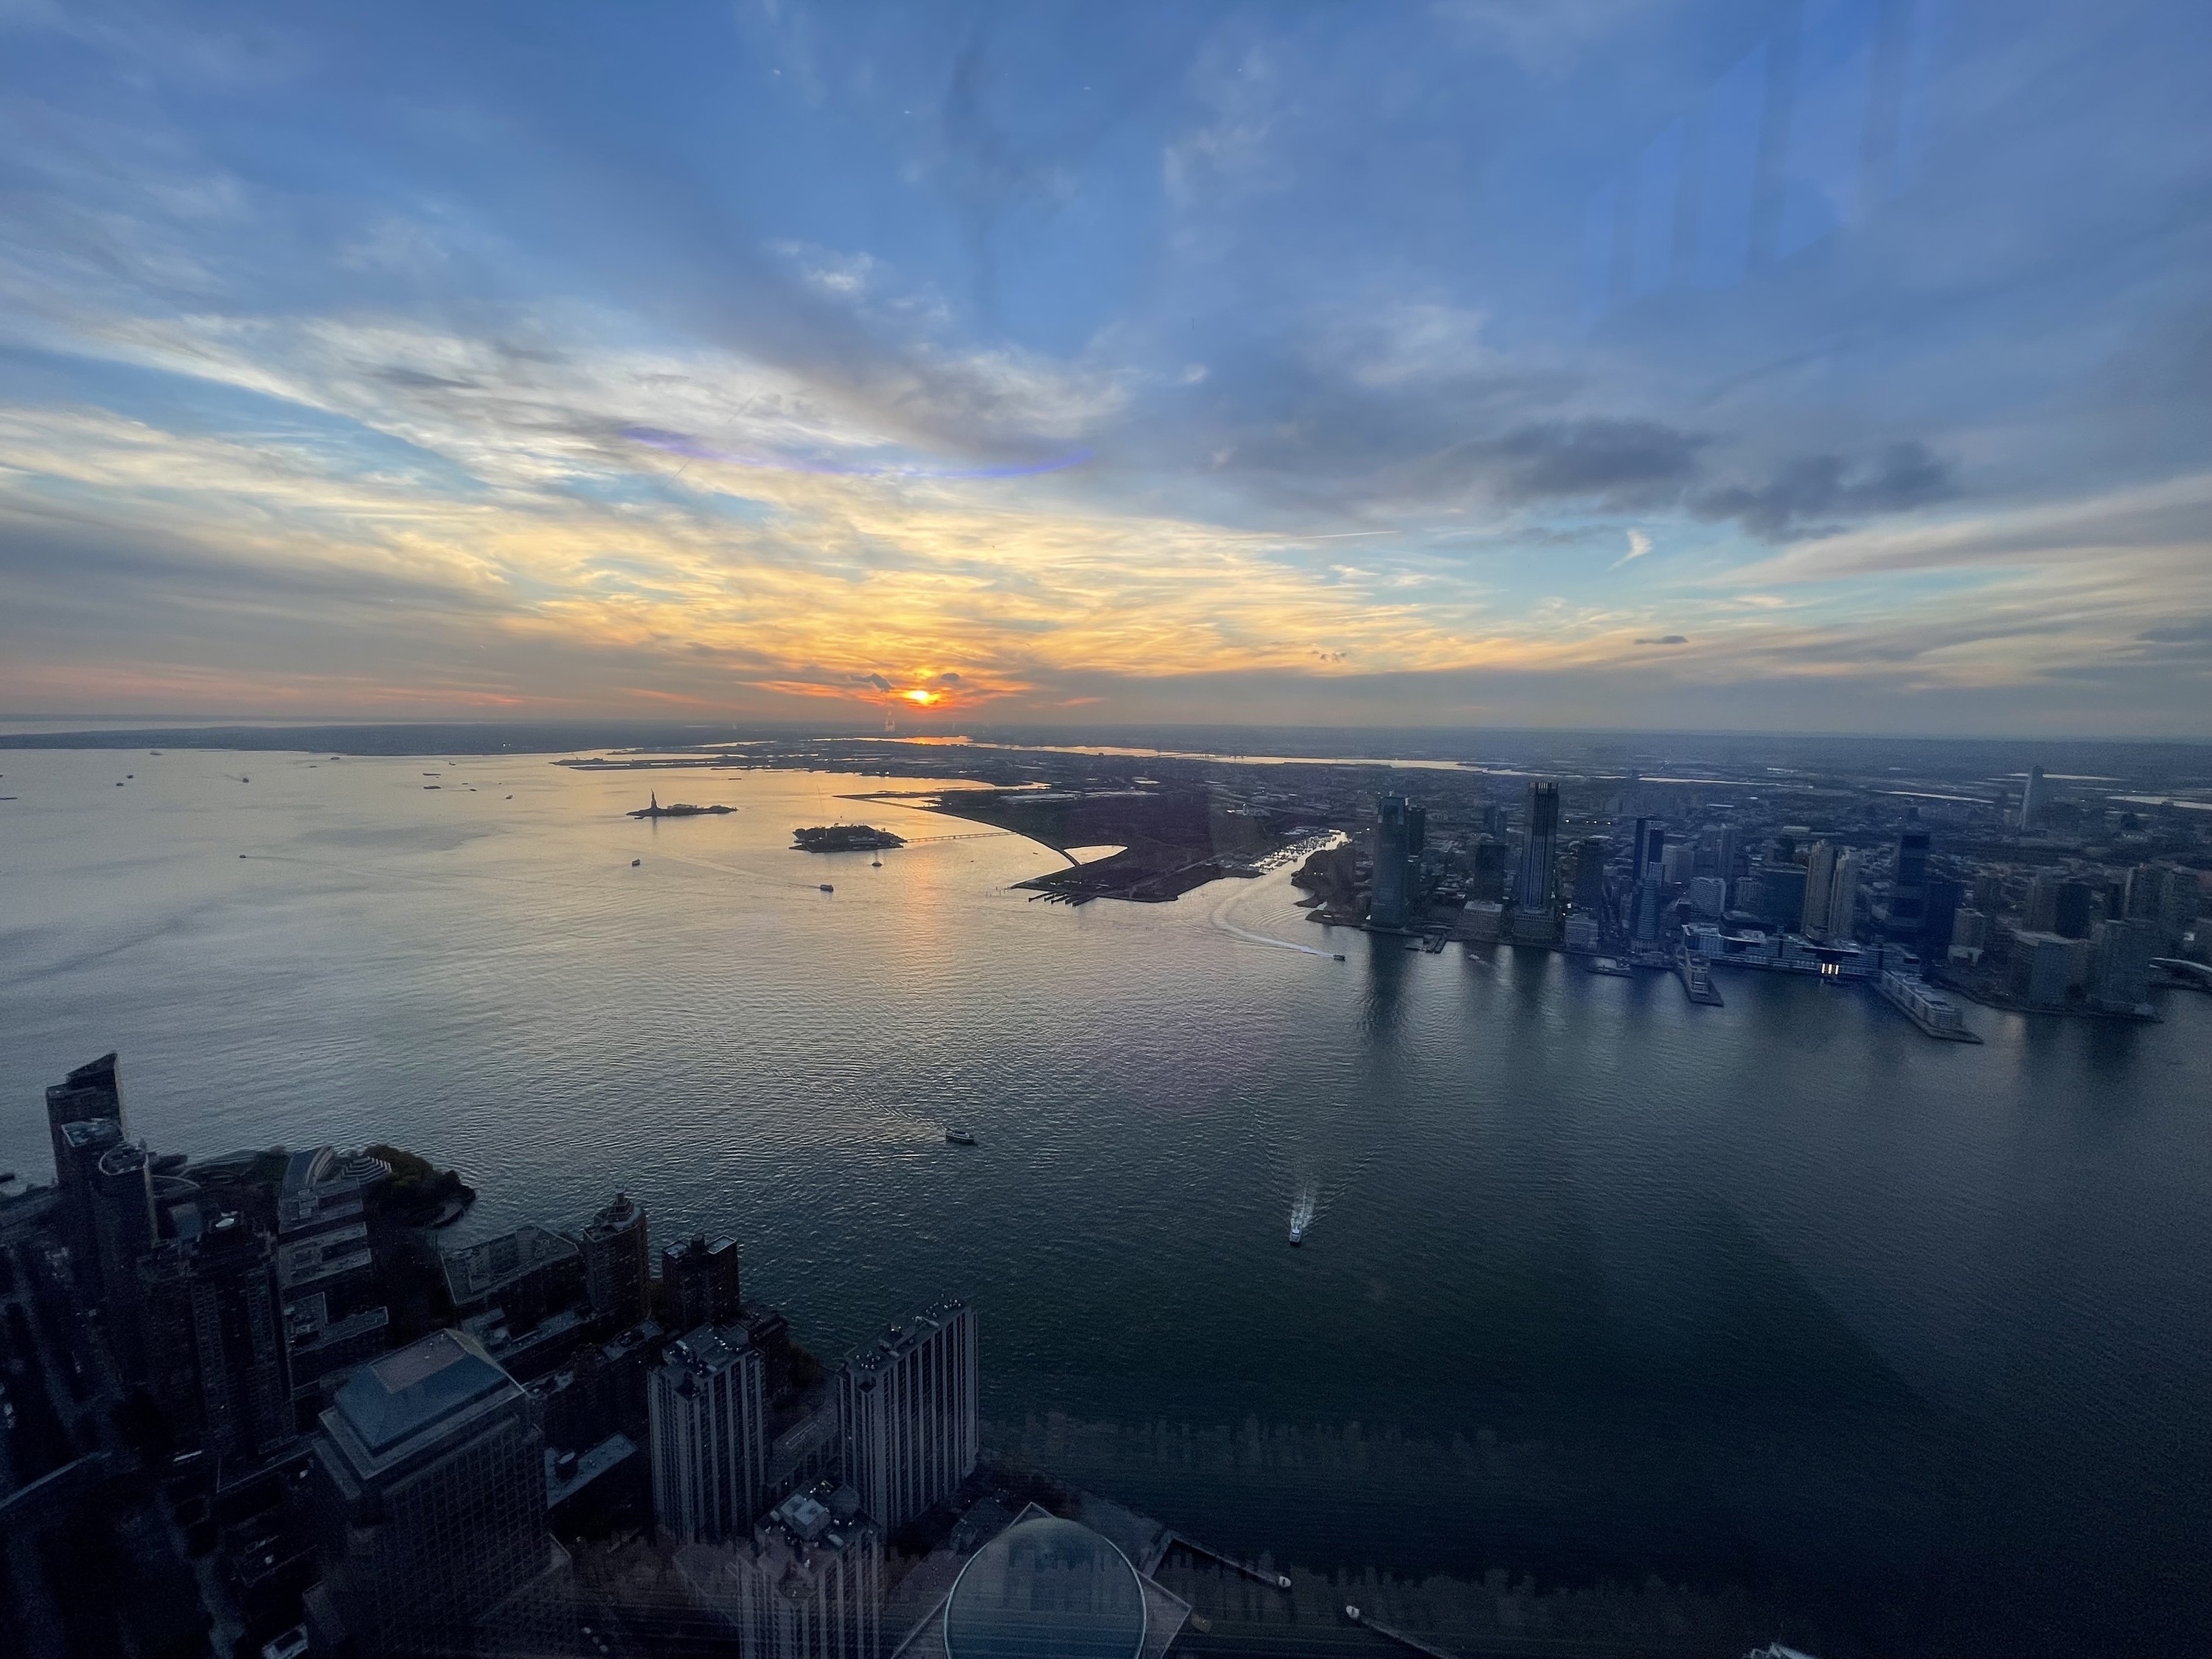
(1620, 460)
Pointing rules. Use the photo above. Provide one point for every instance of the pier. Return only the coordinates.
(1697, 977)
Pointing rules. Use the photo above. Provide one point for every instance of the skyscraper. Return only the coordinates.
(1944, 899)
(1393, 855)
(1590, 854)
(2071, 910)
(1636, 851)
(1908, 888)
(430, 1487)
(618, 1264)
(124, 1230)
(2033, 799)
(1820, 879)
(2120, 955)
(700, 1283)
(1540, 848)
(708, 1410)
(906, 1411)
(215, 1337)
(1844, 895)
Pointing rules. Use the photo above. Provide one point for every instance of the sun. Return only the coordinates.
(917, 695)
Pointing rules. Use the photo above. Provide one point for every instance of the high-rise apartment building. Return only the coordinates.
(700, 1283)
(124, 1228)
(1819, 882)
(214, 1336)
(1540, 850)
(808, 1584)
(617, 1262)
(430, 1478)
(708, 1407)
(906, 1413)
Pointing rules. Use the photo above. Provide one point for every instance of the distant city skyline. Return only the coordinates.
(1640, 364)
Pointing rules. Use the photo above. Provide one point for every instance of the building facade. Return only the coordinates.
(907, 1414)
(429, 1472)
(618, 1263)
(216, 1339)
(1540, 850)
(706, 1407)
(700, 1283)
(808, 1584)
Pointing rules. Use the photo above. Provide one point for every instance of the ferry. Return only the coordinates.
(959, 1138)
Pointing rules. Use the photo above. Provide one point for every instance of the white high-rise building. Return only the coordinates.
(1843, 897)
(708, 1407)
(906, 1412)
(808, 1585)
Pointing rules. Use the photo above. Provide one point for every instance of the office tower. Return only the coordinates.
(1539, 851)
(707, 1405)
(1748, 895)
(1908, 888)
(1643, 917)
(1391, 903)
(807, 1585)
(1844, 895)
(2039, 914)
(1820, 880)
(124, 1228)
(90, 1095)
(2033, 799)
(618, 1265)
(1590, 854)
(2042, 968)
(2070, 910)
(2181, 902)
(1727, 847)
(906, 1412)
(430, 1487)
(2120, 955)
(1784, 885)
(1970, 931)
(1636, 851)
(1679, 864)
(216, 1344)
(699, 1283)
(2146, 892)
(1708, 895)
(1942, 902)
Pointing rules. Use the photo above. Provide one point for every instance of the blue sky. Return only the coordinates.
(1819, 365)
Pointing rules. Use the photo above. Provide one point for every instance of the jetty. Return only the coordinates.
(1697, 977)
(1175, 1540)
(1936, 1014)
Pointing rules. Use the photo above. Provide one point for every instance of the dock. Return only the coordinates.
(1697, 977)
(1936, 1014)
(1398, 1636)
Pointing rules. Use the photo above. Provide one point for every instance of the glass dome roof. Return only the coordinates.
(1046, 1589)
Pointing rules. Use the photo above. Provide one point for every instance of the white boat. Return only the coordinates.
(1298, 1232)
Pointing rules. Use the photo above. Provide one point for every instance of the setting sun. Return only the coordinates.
(925, 698)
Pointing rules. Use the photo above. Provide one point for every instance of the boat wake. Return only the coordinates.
(1302, 1208)
(1262, 939)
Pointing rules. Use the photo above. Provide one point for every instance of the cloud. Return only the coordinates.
(1904, 475)
(1665, 638)
(1639, 544)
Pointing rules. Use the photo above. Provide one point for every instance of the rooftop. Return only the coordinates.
(479, 1271)
(423, 1385)
(1047, 1585)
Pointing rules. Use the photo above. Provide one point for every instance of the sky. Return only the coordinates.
(1809, 365)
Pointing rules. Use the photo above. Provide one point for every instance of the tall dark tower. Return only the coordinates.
(1908, 888)
(1539, 851)
(1393, 851)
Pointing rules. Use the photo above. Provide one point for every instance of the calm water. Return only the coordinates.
(1599, 1280)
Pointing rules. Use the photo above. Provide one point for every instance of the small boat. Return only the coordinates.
(633, 863)
(434, 785)
(959, 1138)
(1337, 957)
(875, 864)
(1298, 1232)
(827, 888)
